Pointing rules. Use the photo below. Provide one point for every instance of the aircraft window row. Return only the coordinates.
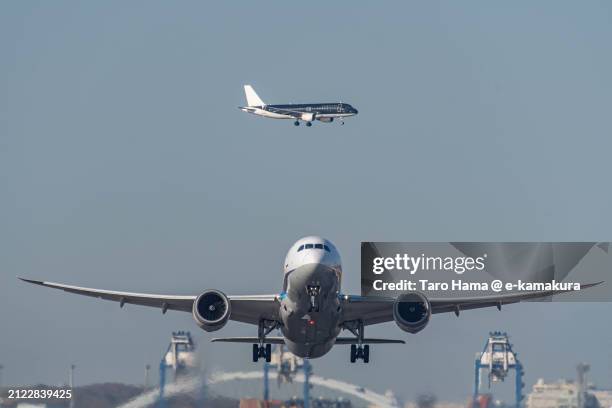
(318, 108)
(314, 246)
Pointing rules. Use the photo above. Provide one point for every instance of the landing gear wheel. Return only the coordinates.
(264, 352)
(309, 124)
(360, 353)
(296, 123)
(255, 353)
(268, 353)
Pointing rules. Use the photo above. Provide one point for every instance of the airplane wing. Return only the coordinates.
(246, 309)
(288, 112)
(374, 309)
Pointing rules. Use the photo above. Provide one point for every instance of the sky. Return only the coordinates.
(126, 165)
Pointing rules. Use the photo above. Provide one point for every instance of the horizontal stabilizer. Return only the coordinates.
(253, 340)
(353, 340)
(280, 340)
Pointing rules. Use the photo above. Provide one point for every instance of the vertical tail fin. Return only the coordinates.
(251, 96)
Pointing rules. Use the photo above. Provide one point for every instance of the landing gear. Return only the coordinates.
(358, 351)
(262, 349)
(296, 123)
(309, 124)
(313, 293)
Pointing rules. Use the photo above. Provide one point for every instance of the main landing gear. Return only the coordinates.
(297, 123)
(262, 350)
(359, 351)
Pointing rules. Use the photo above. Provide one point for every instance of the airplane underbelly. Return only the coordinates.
(309, 350)
(311, 338)
(275, 115)
(310, 327)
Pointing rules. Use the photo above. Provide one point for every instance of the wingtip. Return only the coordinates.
(590, 285)
(35, 282)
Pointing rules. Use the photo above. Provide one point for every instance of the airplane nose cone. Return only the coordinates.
(314, 257)
(309, 274)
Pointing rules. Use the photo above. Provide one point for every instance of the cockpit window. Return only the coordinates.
(314, 246)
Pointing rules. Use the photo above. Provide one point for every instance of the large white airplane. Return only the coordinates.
(311, 309)
(307, 112)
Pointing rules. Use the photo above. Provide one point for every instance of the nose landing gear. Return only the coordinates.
(313, 292)
(296, 123)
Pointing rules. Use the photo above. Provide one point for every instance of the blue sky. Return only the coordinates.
(125, 164)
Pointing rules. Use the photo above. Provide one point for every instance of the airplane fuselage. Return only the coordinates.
(306, 112)
(310, 308)
(319, 111)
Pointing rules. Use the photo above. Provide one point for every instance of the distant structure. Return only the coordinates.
(295, 403)
(71, 383)
(180, 358)
(387, 400)
(498, 358)
(581, 370)
(147, 370)
(287, 365)
(569, 394)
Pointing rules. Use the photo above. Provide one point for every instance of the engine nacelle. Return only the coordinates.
(411, 312)
(211, 310)
(326, 119)
(308, 117)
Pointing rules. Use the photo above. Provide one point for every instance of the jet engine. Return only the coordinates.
(308, 117)
(411, 312)
(211, 310)
(326, 119)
